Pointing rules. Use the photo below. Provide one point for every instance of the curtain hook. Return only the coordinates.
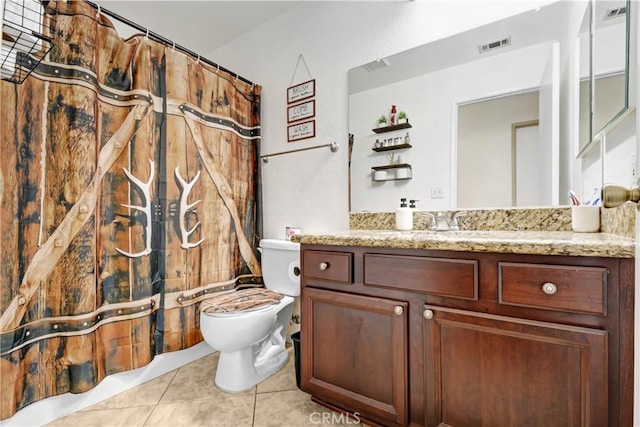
(147, 35)
(236, 76)
(98, 14)
(198, 61)
(218, 68)
(174, 46)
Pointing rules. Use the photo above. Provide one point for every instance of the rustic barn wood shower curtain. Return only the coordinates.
(128, 194)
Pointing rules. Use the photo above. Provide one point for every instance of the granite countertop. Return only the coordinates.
(516, 242)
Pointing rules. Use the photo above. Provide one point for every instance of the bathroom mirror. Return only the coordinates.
(432, 81)
(610, 61)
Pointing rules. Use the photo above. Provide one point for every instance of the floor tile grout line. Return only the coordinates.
(161, 396)
(255, 404)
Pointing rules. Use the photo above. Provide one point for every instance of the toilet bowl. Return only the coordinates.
(252, 341)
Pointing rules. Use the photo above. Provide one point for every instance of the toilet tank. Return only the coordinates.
(281, 266)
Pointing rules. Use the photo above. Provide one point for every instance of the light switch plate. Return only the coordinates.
(437, 193)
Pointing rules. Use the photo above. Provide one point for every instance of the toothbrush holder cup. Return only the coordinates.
(585, 219)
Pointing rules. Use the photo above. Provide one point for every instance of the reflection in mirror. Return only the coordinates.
(497, 142)
(507, 147)
(610, 51)
(432, 81)
(585, 70)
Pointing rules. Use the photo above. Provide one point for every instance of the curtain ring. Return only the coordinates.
(218, 68)
(198, 61)
(174, 46)
(147, 35)
(98, 14)
(236, 77)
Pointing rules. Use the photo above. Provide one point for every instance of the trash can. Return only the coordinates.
(296, 350)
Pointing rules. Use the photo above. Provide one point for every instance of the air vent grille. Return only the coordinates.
(377, 64)
(614, 13)
(494, 45)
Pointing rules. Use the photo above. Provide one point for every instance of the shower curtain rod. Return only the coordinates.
(164, 40)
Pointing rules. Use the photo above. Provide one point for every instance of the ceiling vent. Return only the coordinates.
(377, 64)
(494, 45)
(614, 13)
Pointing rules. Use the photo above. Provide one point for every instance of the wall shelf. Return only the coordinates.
(392, 147)
(391, 172)
(392, 128)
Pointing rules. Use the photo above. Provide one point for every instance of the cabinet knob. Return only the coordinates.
(324, 265)
(549, 288)
(428, 314)
(398, 310)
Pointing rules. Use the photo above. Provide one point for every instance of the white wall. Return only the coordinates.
(309, 189)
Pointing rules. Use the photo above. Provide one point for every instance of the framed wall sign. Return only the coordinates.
(304, 110)
(301, 91)
(302, 130)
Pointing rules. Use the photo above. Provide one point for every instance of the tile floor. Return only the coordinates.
(188, 397)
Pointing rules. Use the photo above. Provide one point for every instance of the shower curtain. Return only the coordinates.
(129, 193)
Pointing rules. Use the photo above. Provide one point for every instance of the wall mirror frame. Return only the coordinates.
(608, 76)
(432, 155)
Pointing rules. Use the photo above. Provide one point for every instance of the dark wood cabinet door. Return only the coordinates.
(488, 370)
(355, 353)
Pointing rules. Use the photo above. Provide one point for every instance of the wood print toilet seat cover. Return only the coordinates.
(241, 300)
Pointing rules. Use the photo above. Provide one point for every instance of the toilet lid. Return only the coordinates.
(240, 300)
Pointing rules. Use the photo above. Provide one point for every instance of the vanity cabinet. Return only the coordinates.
(446, 338)
(358, 351)
(358, 354)
(490, 370)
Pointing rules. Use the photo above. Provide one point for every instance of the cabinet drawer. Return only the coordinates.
(331, 266)
(553, 287)
(441, 276)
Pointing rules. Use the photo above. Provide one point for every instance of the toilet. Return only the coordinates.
(252, 341)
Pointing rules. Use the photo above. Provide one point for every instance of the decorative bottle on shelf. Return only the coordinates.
(393, 115)
(404, 216)
(407, 139)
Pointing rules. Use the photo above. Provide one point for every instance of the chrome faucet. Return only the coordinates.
(455, 225)
(440, 222)
(432, 220)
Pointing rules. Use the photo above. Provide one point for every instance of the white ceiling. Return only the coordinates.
(542, 25)
(200, 26)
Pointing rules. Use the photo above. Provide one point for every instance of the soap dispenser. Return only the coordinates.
(404, 216)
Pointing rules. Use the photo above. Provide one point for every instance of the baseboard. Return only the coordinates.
(52, 408)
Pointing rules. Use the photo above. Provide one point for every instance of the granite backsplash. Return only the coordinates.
(619, 221)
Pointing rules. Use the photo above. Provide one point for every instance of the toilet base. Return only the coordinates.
(237, 372)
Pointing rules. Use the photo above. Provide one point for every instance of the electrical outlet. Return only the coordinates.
(633, 170)
(437, 193)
